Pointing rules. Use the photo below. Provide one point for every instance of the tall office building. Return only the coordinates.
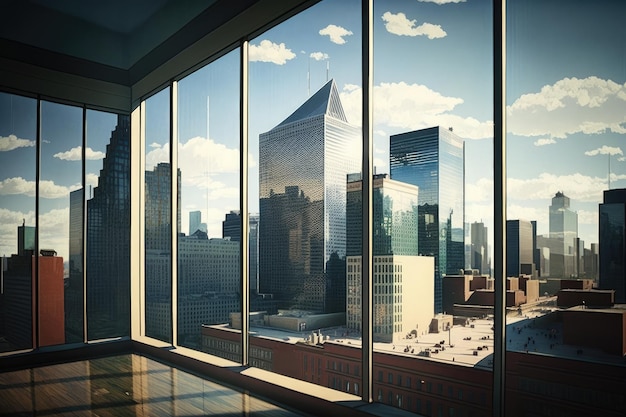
(563, 233)
(433, 160)
(303, 163)
(613, 243)
(231, 226)
(158, 237)
(519, 248)
(74, 283)
(195, 220)
(479, 254)
(253, 248)
(108, 240)
(402, 280)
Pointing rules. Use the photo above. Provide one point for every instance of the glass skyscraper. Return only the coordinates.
(613, 243)
(302, 184)
(108, 240)
(400, 277)
(433, 160)
(519, 248)
(563, 233)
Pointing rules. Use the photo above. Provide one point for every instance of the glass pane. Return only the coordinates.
(60, 211)
(107, 166)
(209, 273)
(305, 140)
(433, 140)
(158, 218)
(566, 196)
(18, 135)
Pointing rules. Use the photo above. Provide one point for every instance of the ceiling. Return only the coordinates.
(116, 33)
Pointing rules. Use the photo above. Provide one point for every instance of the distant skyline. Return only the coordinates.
(566, 108)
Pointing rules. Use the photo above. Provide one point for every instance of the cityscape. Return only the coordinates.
(432, 224)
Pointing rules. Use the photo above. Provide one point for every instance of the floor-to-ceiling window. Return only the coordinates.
(565, 167)
(18, 154)
(66, 241)
(107, 196)
(433, 130)
(210, 225)
(305, 146)
(158, 203)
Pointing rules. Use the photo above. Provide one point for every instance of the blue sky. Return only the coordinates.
(566, 75)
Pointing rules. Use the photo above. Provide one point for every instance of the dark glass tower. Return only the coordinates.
(231, 226)
(108, 240)
(613, 243)
(479, 248)
(302, 184)
(433, 160)
(519, 248)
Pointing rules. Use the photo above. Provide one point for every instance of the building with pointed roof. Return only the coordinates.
(304, 162)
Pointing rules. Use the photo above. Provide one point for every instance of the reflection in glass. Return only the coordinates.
(209, 250)
(108, 224)
(158, 218)
(18, 124)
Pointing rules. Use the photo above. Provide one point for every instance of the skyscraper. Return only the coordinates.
(433, 160)
(401, 279)
(613, 243)
(519, 248)
(231, 226)
(158, 238)
(195, 219)
(479, 257)
(563, 233)
(303, 163)
(108, 240)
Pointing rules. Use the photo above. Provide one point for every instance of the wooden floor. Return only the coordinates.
(123, 385)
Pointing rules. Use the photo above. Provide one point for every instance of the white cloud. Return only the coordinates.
(622, 159)
(544, 142)
(319, 56)
(11, 142)
(605, 150)
(440, 2)
(571, 105)
(398, 24)
(577, 186)
(335, 33)
(268, 51)
(413, 106)
(479, 192)
(75, 154)
(47, 189)
(199, 159)
(53, 225)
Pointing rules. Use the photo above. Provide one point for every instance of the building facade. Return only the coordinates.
(302, 186)
(519, 248)
(108, 240)
(563, 232)
(479, 254)
(613, 243)
(433, 160)
(401, 278)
